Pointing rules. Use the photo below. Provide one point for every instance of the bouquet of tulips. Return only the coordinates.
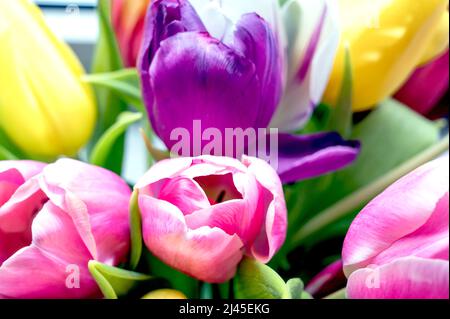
(292, 149)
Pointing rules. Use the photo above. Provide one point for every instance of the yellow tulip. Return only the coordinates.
(165, 294)
(45, 108)
(387, 40)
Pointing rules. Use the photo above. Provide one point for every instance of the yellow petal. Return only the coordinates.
(165, 294)
(387, 39)
(45, 108)
(439, 41)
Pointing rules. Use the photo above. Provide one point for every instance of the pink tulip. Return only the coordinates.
(53, 224)
(398, 246)
(202, 215)
(427, 86)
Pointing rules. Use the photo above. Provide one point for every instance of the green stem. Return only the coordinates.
(340, 294)
(347, 205)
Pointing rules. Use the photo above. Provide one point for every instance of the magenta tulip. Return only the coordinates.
(53, 223)
(398, 246)
(202, 215)
(427, 86)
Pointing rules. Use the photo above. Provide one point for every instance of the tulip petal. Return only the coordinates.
(16, 216)
(256, 40)
(101, 216)
(185, 194)
(427, 85)
(313, 31)
(406, 205)
(405, 278)
(208, 254)
(330, 280)
(273, 232)
(308, 156)
(429, 241)
(219, 87)
(56, 246)
(164, 19)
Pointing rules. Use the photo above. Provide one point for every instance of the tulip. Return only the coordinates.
(387, 40)
(226, 60)
(329, 280)
(128, 17)
(202, 215)
(427, 86)
(45, 108)
(398, 246)
(55, 223)
(226, 56)
(313, 31)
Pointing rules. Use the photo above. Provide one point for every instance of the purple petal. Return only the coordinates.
(165, 18)
(308, 156)
(256, 40)
(219, 87)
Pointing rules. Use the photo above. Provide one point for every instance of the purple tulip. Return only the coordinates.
(223, 63)
(54, 219)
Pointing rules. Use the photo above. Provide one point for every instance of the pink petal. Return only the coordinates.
(164, 169)
(429, 241)
(399, 211)
(208, 254)
(273, 233)
(405, 278)
(56, 245)
(97, 200)
(185, 194)
(27, 169)
(32, 274)
(16, 216)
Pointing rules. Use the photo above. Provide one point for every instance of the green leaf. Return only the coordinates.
(115, 282)
(341, 116)
(136, 230)
(255, 280)
(124, 83)
(392, 137)
(103, 149)
(6, 155)
(8, 151)
(110, 106)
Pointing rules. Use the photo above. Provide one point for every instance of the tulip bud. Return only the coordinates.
(128, 17)
(387, 40)
(45, 108)
(201, 215)
(54, 223)
(397, 247)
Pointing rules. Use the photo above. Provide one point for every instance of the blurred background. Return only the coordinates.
(75, 21)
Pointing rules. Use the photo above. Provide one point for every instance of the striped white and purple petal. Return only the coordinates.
(313, 32)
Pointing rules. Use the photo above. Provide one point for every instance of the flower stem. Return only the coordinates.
(347, 205)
